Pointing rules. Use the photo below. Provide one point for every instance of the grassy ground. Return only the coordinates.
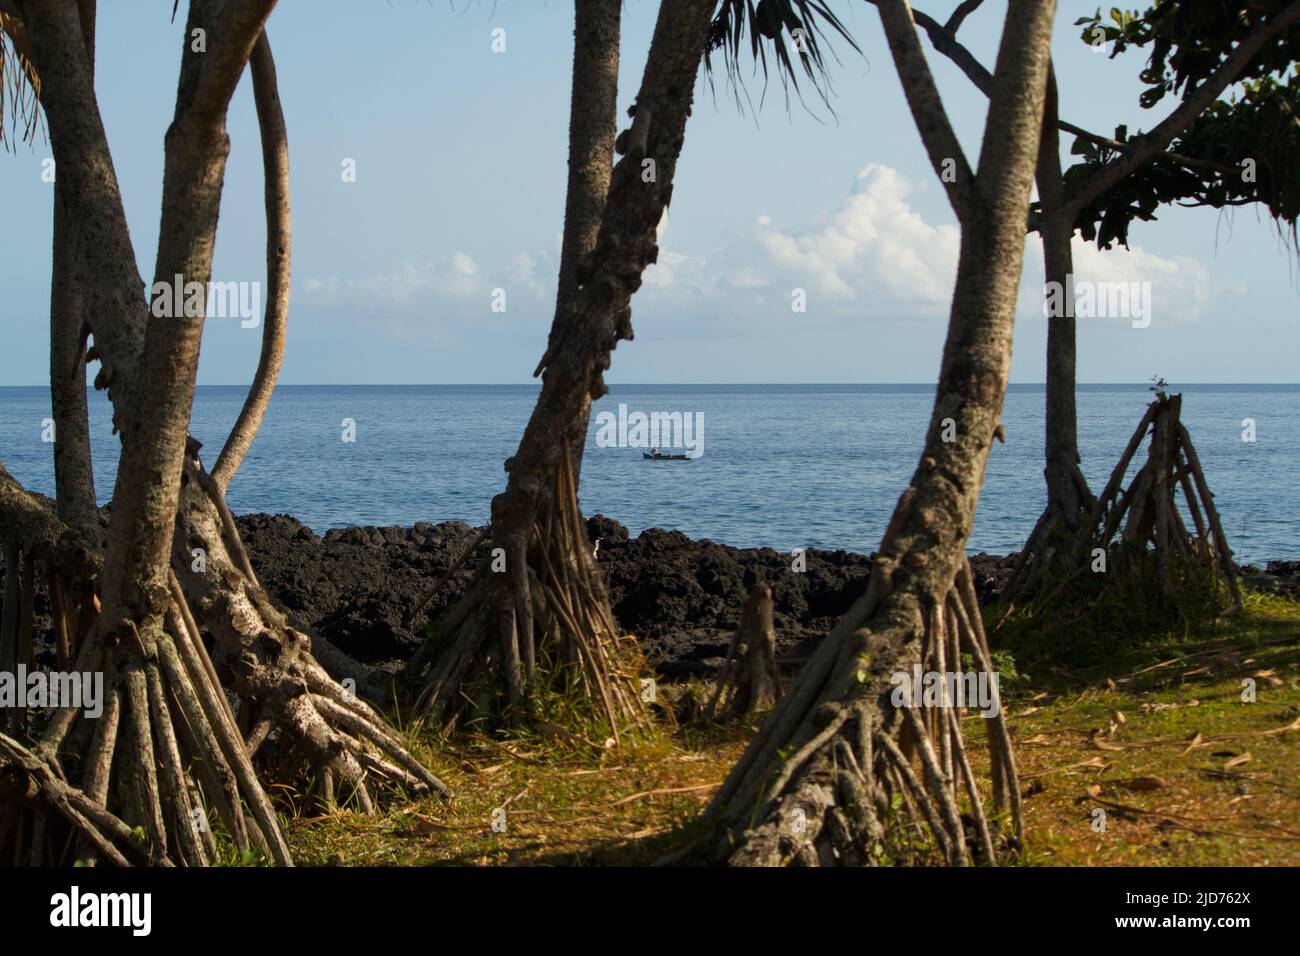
(1145, 733)
(532, 801)
(1162, 737)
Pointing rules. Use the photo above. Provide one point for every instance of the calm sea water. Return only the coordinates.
(783, 466)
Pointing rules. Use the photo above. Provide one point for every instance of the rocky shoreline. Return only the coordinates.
(356, 587)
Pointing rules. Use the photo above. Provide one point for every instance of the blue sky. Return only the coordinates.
(460, 158)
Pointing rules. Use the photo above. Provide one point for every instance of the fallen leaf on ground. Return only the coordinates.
(1096, 763)
(1141, 783)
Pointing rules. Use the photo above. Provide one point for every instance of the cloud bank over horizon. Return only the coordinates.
(873, 258)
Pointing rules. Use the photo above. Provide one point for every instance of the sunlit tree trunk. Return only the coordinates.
(817, 784)
(175, 576)
(546, 602)
(593, 124)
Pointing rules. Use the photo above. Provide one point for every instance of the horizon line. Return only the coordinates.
(612, 386)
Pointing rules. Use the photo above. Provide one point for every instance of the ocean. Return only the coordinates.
(782, 466)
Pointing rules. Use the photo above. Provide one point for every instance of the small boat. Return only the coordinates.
(659, 456)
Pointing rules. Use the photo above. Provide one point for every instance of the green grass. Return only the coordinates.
(560, 802)
(1230, 796)
(1188, 773)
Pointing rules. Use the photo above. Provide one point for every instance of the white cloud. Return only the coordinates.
(664, 273)
(407, 285)
(463, 265)
(873, 257)
(1180, 288)
(873, 244)
(522, 270)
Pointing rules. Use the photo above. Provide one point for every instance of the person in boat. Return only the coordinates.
(654, 452)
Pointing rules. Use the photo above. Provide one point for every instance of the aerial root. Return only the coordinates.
(1128, 524)
(167, 757)
(842, 775)
(296, 716)
(546, 608)
(749, 681)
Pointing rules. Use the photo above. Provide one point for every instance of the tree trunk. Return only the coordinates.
(155, 433)
(88, 191)
(1064, 527)
(815, 785)
(279, 243)
(749, 682)
(74, 478)
(1068, 498)
(1067, 490)
(149, 665)
(548, 602)
(253, 653)
(178, 731)
(593, 124)
(1052, 544)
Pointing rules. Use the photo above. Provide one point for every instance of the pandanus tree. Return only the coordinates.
(1207, 151)
(73, 469)
(537, 608)
(538, 614)
(209, 694)
(839, 774)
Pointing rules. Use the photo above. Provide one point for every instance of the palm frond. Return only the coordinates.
(792, 37)
(20, 86)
